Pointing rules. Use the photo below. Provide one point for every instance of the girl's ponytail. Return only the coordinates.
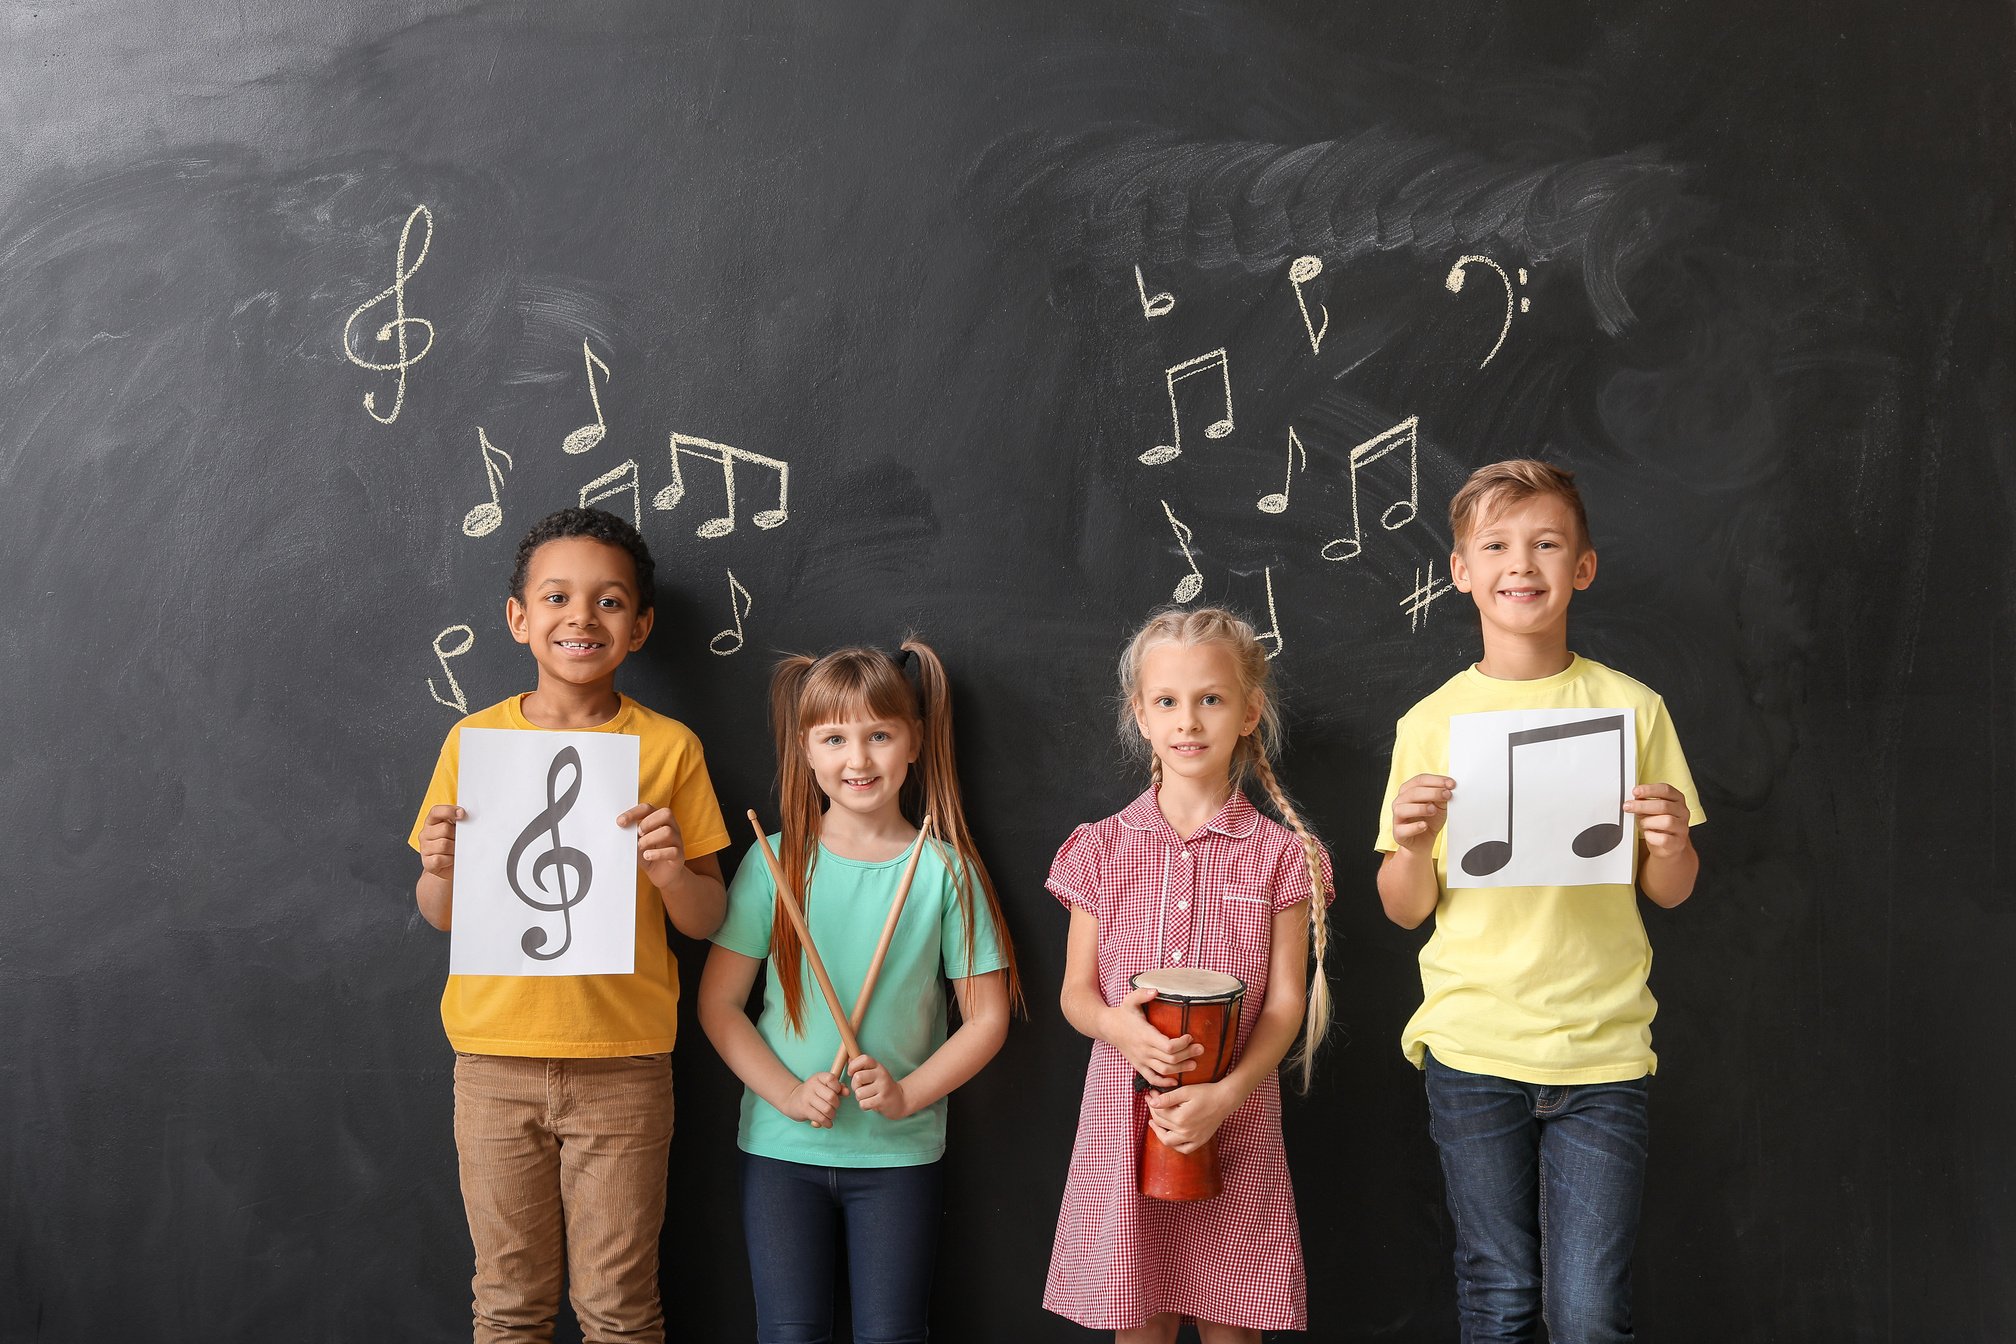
(936, 777)
(798, 805)
(1316, 1022)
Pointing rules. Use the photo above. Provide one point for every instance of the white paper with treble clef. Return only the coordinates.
(545, 880)
(1539, 798)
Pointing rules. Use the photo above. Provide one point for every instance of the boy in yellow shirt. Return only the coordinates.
(1534, 1029)
(563, 1084)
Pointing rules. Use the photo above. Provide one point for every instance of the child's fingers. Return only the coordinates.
(630, 817)
(1135, 998)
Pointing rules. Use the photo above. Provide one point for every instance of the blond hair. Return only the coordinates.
(863, 683)
(1254, 756)
(1493, 489)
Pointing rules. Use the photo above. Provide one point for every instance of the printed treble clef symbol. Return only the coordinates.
(395, 330)
(564, 857)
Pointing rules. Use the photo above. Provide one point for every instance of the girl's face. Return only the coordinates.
(1192, 711)
(861, 764)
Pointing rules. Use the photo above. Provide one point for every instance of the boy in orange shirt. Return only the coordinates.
(563, 1084)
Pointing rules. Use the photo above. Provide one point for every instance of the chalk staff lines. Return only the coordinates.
(396, 330)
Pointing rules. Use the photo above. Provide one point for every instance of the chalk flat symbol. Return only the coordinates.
(1160, 305)
(396, 329)
(1217, 429)
(1488, 856)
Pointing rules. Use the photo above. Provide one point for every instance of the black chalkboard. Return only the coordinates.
(1746, 268)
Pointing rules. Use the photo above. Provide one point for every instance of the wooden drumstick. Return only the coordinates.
(797, 918)
(888, 935)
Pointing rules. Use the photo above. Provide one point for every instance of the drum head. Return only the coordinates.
(1186, 984)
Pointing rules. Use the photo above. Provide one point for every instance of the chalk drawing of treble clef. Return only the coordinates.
(571, 861)
(396, 329)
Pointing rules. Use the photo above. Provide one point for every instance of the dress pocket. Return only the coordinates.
(1248, 914)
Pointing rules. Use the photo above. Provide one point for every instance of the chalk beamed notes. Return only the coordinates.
(1396, 515)
(396, 330)
(730, 459)
(1218, 428)
(619, 479)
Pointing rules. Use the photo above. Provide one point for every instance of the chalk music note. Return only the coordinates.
(1488, 856)
(1192, 583)
(732, 637)
(1454, 283)
(1217, 429)
(1273, 631)
(1300, 273)
(1279, 503)
(564, 857)
(484, 519)
(1396, 515)
(586, 437)
(460, 704)
(725, 457)
(1158, 306)
(395, 330)
(614, 482)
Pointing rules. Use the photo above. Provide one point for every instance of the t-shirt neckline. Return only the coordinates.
(615, 723)
(1476, 678)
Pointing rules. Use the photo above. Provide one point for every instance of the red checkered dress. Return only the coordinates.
(1207, 902)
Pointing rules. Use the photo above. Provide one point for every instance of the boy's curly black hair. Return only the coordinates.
(596, 525)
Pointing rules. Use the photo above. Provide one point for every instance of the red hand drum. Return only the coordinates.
(1203, 1005)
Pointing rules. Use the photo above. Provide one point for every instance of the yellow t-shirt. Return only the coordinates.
(588, 1016)
(1544, 985)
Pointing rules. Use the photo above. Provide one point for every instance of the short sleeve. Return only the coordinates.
(1291, 875)
(694, 806)
(987, 939)
(1660, 761)
(751, 908)
(1412, 755)
(441, 788)
(1074, 873)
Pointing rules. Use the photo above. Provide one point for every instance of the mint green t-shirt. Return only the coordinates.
(906, 1016)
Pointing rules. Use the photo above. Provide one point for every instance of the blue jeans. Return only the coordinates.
(1544, 1187)
(794, 1216)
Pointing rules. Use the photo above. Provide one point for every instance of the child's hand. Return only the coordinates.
(660, 848)
(876, 1089)
(437, 840)
(1661, 810)
(1185, 1118)
(816, 1100)
(1154, 1056)
(1419, 810)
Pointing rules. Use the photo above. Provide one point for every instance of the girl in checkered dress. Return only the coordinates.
(1191, 875)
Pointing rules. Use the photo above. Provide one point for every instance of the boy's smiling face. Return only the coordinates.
(580, 615)
(1520, 566)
